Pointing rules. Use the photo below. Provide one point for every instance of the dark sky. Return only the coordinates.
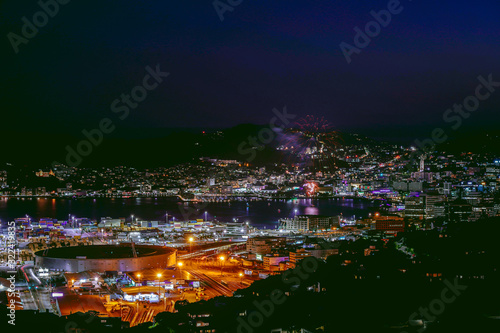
(265, 54)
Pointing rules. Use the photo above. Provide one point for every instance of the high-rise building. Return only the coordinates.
(431, 199)
(415, 207)
(422, 163)
(299, 255)
(264, 245)
(308, 223)
(459, 211)
(390, 224)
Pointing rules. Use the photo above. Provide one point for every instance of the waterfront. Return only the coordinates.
(262, 213)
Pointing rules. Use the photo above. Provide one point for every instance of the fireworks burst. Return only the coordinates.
(311, 140)
(311, 188)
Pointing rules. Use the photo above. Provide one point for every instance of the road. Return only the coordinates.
(210, 279)
(27, 300)
(34, 299)
(213, 286)
(144, 312)
(210, 249)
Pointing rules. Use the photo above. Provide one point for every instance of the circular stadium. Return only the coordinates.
(106, 258)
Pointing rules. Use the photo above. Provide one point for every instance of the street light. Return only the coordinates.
(241, 277)
(159, 276)
(121, 308)
(139, 277)
(222, 263)
(191, 239)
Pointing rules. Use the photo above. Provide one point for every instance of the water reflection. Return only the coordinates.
(259, 213)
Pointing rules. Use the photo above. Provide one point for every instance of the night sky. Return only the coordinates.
(264, 54)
